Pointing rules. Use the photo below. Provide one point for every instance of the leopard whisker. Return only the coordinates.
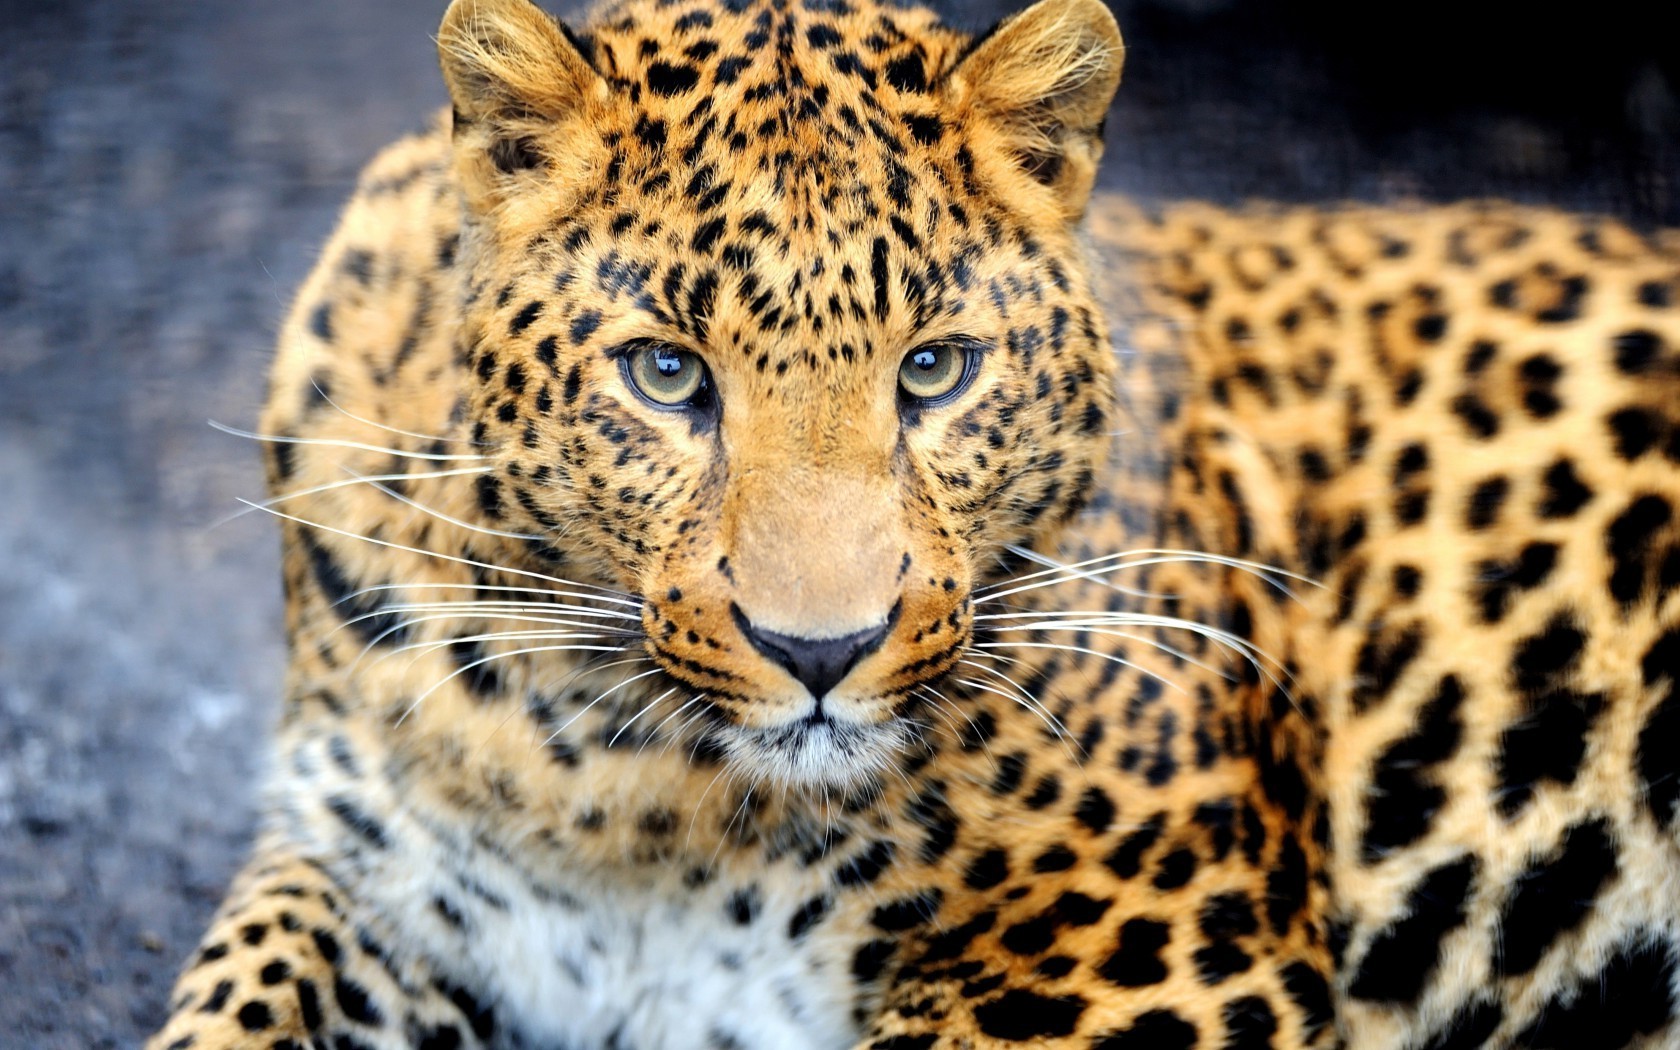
(611, 690)
(700, 804)
(1050, 721)
(935, 698)
(696, 698)
(1052, 565)
(1132, 559)
(685, 728)
(1020, 696)
(1153, 643)
(403, 547)
(508, 609)
(1020, 691)
(358, 480)
(608, 594)
(408, 622)
(604, 630)
(723, 838)
(463, 669)
(939, 700)
(324, 396)
(501, 636)
(1169, 683)
(655, 702)
(1099, 621)
(441, 516)
(285, 439)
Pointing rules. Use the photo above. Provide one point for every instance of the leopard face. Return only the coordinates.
(800, 406)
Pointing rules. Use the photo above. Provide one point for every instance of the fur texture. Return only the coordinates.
(1269, 640)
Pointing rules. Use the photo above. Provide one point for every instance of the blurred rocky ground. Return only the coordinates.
(168, 169)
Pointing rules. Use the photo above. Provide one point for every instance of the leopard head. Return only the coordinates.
(775, 312)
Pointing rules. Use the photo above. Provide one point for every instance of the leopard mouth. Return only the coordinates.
(819, 748)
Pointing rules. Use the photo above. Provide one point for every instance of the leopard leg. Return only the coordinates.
(288, 964)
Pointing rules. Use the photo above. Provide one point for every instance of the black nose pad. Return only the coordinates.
(818, 663)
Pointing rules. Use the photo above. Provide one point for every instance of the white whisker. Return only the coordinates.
(495, 608)
(598, 631)
(282, 439)
(1098, 622)
(607, 594)
(633, 678)
(464, 668)
(502, 636)
(552, 621)
(382, 426)
(441, 516)
(1169, 683)
(357, 480)
(402, 547)
(700, 804)
(1092, 568)
(1020, 697)
(695, 699)
(655, 702)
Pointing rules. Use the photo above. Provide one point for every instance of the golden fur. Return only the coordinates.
(1383, 501)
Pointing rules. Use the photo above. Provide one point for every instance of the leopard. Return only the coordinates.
(774, 558)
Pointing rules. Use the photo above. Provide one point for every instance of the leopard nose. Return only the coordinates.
(818, 663)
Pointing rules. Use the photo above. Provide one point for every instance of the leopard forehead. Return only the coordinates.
(800, 173)
(814, 125)
(799, 194)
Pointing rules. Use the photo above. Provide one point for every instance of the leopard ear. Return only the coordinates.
(515, 76)
(1043, 79)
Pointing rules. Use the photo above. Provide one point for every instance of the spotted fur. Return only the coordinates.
(1353, 722)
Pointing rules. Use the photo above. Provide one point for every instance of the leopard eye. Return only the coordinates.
(935, 373)
(666, 376)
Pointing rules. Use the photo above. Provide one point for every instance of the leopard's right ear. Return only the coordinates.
(515, 76)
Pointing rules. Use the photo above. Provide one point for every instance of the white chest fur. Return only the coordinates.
(639, 962)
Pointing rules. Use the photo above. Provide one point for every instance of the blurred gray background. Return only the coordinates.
(167, 172)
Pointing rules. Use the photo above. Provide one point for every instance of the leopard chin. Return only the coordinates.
(819, 749)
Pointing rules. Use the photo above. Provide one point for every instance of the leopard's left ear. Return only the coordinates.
(1043, 80)
(516, 78)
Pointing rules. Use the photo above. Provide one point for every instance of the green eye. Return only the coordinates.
(936, 372)
(666, 376)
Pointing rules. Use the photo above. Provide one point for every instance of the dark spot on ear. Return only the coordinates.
(1562, 492)
(1311, 993)
(218, 998)
(729, 70)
